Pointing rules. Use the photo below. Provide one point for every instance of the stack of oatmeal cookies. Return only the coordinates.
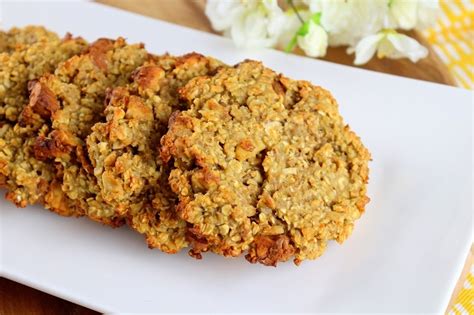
(186, 150)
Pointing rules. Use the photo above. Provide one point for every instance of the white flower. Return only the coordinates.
(347, 21)
(408, 14)
(223, 13)
(315, 42)
(291, 25)
(388, 44)
(319, 23)
(251, 23)
(402, 14)
(336, 15)
(309, 35)
(428, 11)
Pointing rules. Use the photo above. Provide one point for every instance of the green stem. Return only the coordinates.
(292, 5)
(291, 45)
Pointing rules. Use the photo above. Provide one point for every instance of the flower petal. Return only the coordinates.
(315, 42)
(386, 49)
(404, 12)
(407, 46)
(258, 25)
(222, 14)
(348, 21)
(249, 31)
(291, 26)
(428, 11)
(366, 48)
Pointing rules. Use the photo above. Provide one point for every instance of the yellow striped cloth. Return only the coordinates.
(453, 39)
(464, 303)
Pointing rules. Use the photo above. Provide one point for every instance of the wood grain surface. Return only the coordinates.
(19, 299)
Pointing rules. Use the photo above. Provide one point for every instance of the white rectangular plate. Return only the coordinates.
(404, 255)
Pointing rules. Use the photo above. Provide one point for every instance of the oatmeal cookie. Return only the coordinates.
(80, 88)
(36, 52)
(264, 164)
(63, 107)
(124, 150)
(17, 38)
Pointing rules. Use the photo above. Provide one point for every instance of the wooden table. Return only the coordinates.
(18, 299)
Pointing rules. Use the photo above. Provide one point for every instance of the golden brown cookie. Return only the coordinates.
(32, 52)
(62, 109)
(17, 38)
(264, 164)
(124, 150)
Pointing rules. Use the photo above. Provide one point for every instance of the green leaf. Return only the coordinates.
(303, 30)
(316, 18)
